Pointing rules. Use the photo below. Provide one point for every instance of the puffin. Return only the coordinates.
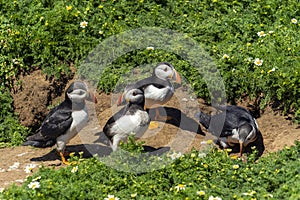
(158, 89)
(64, 121)
(131, 119)
(233, 125)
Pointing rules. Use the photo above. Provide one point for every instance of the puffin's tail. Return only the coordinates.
(203, 118)
(37, 140)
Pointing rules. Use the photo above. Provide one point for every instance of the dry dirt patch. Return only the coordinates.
(276, 129)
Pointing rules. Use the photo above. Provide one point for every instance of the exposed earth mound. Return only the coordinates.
(35, 95)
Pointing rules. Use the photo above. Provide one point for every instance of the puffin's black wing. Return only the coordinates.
(152, 80)
(110, 122)
(57, 122)
(234, 116)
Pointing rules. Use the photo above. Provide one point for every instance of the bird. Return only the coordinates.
(234, 125)
(64, 121)
(158, 89)
(131, 119)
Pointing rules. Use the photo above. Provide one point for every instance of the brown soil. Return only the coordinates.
(37, 93)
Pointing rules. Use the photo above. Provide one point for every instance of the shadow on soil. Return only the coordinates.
(178, 119)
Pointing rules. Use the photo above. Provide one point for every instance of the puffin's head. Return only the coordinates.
(165, 70)
(134, 96)
(246, 134)
(78, 92)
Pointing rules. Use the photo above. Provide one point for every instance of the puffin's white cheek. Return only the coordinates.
(70, 96)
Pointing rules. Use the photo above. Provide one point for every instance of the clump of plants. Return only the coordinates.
(195, 175)
(254, 45)
(11, 132)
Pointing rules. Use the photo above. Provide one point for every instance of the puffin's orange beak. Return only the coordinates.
(92, 97)
(121, 100)
(176, 77)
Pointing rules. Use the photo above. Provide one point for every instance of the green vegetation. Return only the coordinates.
(254, 44)
(196, 175)
(11, 132)
(48, 35)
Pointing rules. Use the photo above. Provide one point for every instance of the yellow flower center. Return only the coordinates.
(69, 7)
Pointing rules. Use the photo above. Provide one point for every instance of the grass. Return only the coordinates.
(213, 172)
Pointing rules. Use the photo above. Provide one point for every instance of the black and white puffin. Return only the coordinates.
(157, 88)
(64, 121)
(234, 125)
(131, 119)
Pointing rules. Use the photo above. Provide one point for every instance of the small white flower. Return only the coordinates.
(180, 187)
(261, 34)
(258, 62)
(159, 158)
(249, 193)
(74, 169)
(214, 198)
(101, 32)
(271, 32)
(28, 169)
(111, 197)
(150, 48)
(83, 24)
(246, 193)
(175, 155)
(201, 155)
(225, 56)
(1, 190)
(33, 185)
(15, 61)
(294, 21)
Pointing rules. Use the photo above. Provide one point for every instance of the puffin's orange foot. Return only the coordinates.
(64, 161)
(153, 125)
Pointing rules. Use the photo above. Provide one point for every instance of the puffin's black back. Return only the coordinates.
(152, 80)
(232, 116)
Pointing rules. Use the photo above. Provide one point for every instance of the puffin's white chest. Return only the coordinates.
(137, 124)
(80, 119)
(154, 95)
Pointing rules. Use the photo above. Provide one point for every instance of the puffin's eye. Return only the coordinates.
(134, 93)
(165, 69)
